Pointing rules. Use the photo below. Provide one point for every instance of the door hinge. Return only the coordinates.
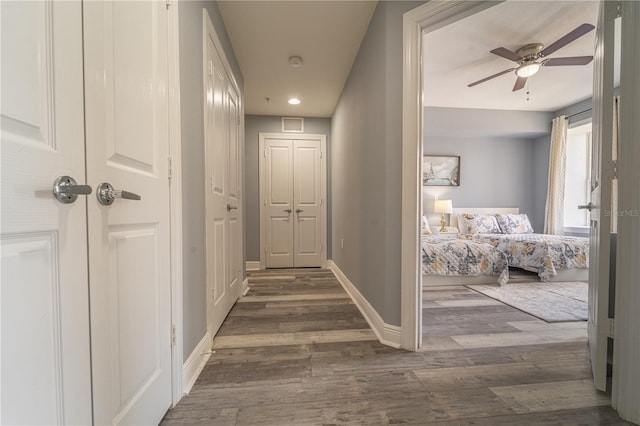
(170, 167)
(615, 169)
(210, 68)
(173, 335)
(612, 327)
(265, 153)
(167, 4)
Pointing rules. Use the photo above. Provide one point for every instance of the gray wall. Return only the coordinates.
(366, 164)
(254, 125)
(193, 210)
(504, 158)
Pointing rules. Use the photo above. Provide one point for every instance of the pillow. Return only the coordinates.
(425, 226)
(462, 226)
(514, 223)
(480, 224)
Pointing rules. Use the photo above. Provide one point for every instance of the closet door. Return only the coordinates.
(45, 359)
(126, 103)
(278, 203)
(223, 199)
(307, 201)
(292, 187)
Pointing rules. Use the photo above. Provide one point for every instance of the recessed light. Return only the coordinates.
(294, 101)
(295, 61)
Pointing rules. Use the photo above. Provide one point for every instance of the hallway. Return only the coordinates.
(296, 351)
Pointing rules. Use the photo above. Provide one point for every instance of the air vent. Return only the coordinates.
(293, 124)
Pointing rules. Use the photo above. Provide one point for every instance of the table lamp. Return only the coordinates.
(444, 207)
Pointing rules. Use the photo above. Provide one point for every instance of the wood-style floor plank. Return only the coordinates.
(296, 351)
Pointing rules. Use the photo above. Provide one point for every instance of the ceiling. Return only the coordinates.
(459, 54)
(325, 34)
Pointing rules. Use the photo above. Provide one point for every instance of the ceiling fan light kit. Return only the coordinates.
(530, 57)
(528, 69)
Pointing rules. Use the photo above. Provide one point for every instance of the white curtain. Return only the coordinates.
(554, 210)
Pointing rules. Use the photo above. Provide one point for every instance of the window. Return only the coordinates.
(577, 176)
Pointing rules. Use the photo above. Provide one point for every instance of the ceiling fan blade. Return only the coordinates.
(520, 82)
(475, 83)
(574, 60)
(506, 53)
(573, 35)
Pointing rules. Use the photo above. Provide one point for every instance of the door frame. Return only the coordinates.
(175, 197)
(426, 18)
(626, 380)
(323, 190)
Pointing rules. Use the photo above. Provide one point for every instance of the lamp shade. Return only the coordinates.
(443, 206)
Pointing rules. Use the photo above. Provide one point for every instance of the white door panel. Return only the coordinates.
(223, 198)
(279, 203)
(601, 177)
(127, 146)
(45, 358)
(307, 202)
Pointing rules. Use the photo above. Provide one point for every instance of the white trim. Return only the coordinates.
(626, 370)
(323, 171)
(387, 334)
(245, 287)
(195, 363)
(253, 265)
(577, 230)
(427, 17)
(175, 152)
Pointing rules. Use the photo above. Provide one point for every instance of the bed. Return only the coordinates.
(552, 257)
(447, 261)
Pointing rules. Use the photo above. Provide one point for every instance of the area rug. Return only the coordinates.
(551, 302)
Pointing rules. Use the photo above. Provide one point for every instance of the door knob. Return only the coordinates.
(230, 207)
(107, 195)
(66, 189)
(287, 210)
(299, 210)
(586, 207)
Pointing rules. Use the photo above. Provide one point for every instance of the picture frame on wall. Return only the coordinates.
(441, 170)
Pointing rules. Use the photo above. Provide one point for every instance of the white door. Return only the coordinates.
(307, 203)
(223, 201)
(45, 360)
(126, 102)
(293, 211)
(278, 203)
(601, 178)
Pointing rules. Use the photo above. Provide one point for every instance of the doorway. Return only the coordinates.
(293, 200)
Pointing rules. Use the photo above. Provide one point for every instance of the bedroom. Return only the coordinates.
(502, 136)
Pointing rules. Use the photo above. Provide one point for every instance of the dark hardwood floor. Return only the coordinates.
(296, 351)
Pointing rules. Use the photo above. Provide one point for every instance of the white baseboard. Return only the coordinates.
(245, 287)
(195, 363)
(253, 265)
(387, 334)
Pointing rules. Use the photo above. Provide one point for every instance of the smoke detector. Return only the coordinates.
(295, 61)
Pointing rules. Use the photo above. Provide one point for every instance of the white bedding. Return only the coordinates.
(458, 257)
(540, 253)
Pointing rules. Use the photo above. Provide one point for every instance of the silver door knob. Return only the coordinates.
(299, 210)
(287, 210)
(586, 207)
(230, 207)
(107, 195)
(66, 189)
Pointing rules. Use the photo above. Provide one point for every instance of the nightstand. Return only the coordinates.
(450, 233)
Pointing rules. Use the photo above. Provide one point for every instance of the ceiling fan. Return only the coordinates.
(530, 57)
